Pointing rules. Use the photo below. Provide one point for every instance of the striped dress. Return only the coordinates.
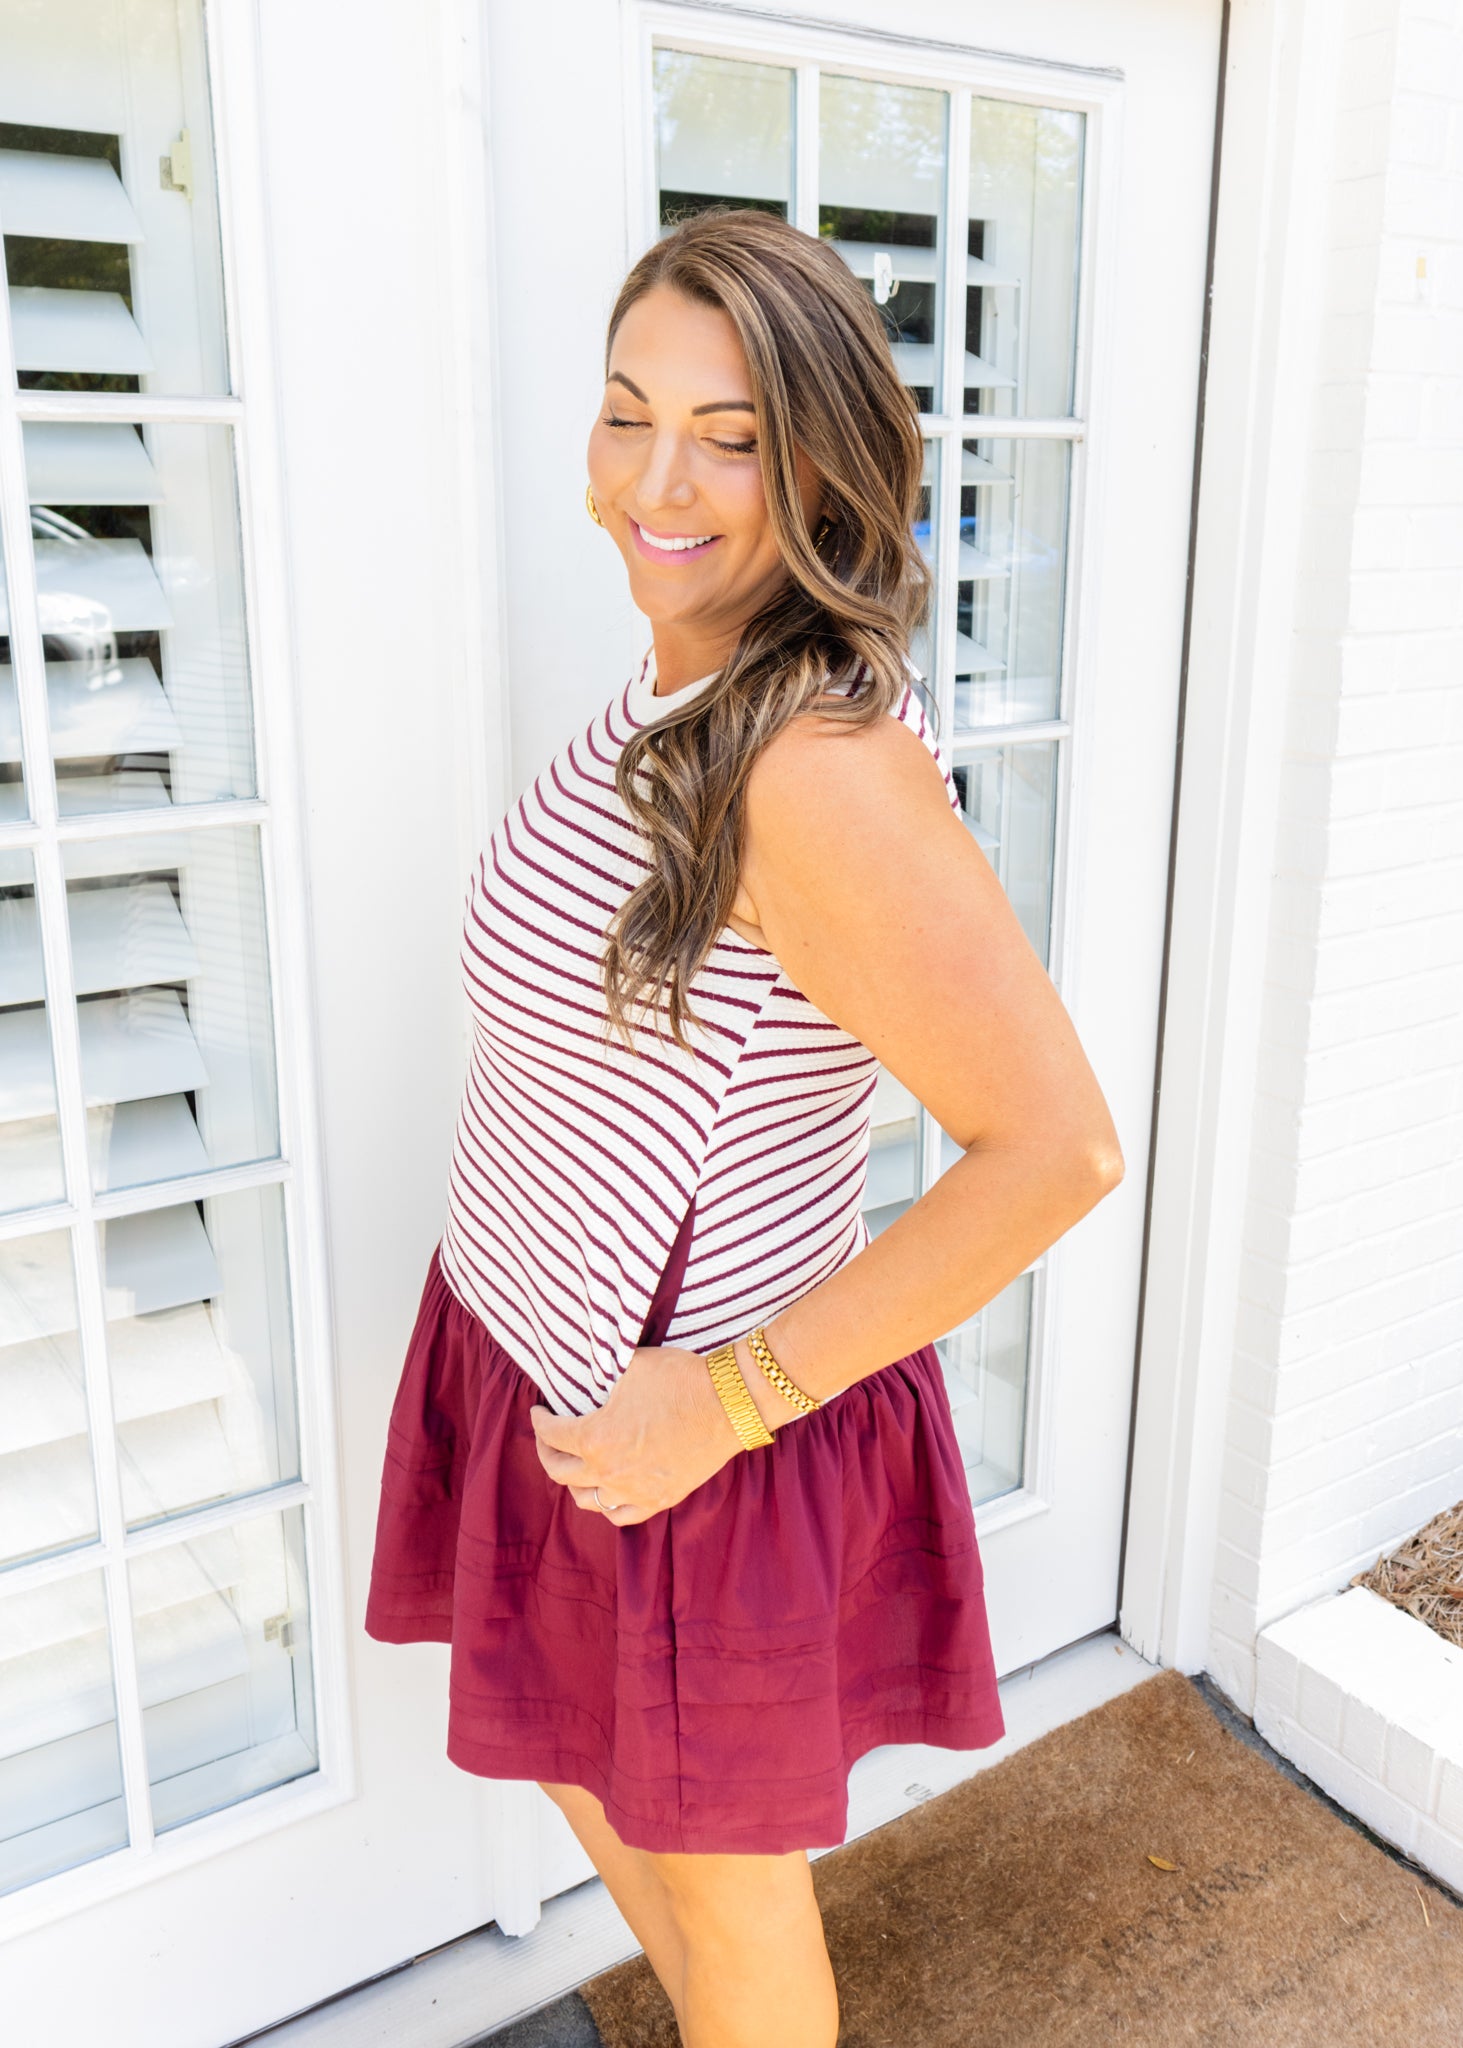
(577, 1161)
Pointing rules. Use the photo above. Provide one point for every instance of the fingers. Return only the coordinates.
(623, 1514)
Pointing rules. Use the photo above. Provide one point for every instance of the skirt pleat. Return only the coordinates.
(711, 1674)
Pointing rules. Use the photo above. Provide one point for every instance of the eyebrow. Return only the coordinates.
(717, 405)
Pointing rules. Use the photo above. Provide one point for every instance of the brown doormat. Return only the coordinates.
(1033, 1907)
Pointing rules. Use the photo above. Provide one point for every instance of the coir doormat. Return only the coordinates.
(1138, 1876)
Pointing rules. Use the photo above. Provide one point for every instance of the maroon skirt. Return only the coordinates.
(710, 1674)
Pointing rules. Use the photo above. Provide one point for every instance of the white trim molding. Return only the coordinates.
(1274, 188)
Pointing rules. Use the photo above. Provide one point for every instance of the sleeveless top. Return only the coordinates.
(576, 1161)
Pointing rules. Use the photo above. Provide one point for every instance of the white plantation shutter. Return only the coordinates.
(136, 633)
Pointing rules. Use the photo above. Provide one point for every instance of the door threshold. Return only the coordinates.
(457, 1994)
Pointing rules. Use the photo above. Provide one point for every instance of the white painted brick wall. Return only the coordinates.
(1345, 1426)
(1369, 1703)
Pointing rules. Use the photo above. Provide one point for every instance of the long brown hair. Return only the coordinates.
(823, 380)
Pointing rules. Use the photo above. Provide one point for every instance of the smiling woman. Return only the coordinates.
(672, 1464)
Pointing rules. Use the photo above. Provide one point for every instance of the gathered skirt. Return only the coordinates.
(710, 1674)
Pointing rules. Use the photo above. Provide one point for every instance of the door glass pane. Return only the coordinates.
(142, 609)
(1012, 575)
(723, 135)
(106, 197)
(224, 1667)
(881, 192)
(893, 1178)
(1008, 796)
(47, 1491)
(1022, 253)
(31, 1172)
(172, 975)
(198, 1340)
(985, 1363)
(60, 1770)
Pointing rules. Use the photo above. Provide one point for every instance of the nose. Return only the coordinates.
(663, 480)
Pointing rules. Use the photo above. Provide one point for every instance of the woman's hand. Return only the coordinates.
(659, 1435)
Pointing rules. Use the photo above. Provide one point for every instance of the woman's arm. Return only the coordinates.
(884, 912)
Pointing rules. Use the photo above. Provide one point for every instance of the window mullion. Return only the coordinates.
(805, 150)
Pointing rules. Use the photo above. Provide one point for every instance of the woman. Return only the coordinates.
(687, 1585)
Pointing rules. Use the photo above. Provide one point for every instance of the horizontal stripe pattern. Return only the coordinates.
(576, 1157)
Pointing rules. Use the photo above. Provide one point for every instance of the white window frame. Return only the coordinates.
(229, 55)
(748, 35)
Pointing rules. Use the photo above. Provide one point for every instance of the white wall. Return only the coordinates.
(1345, 1414)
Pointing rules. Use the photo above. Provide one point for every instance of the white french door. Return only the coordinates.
(252, 440)
(1034, 234)
(231, 1026)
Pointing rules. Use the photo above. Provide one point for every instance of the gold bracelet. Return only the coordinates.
(758, 1346)
(726, 1377)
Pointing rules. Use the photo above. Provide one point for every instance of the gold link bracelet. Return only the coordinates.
(760, 1349)
(726, 1377)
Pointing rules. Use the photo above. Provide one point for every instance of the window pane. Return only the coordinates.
(107, 199)
(60, 1770)
(1009, 799)
(985, 1363)
(31, 1171)
(1012, 575)
(142, 609)
(893, 1178)
(723, 135)
(198, 1339)
(1021, 269)
(172, 974)
(223, 1663)
(881, 190)
(47, 1491)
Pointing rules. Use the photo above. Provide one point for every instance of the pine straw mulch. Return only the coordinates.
(1424, 1577)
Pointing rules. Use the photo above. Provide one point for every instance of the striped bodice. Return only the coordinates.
(576, 1159)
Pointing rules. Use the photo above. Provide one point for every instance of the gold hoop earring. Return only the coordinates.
(590, 506)
(823, 532)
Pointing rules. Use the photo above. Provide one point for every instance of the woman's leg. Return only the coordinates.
(632, 1882)
(757, 1973)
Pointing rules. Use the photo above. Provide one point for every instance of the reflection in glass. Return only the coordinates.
(142, 613)
(1011, 574)
(171, 967)
(881, 189)
(985, 1363)
(200, 1351)
(61, 1797)
(31, 1170)
(13, 806)
(1008, 798)
(47, 1492)
(1021, 274)
(224, 1666)
(113, 259)
(723, 135)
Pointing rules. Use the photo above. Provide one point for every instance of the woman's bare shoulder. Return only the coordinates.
(840, 816)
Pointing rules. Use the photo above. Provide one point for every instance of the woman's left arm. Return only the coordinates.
(883, 910)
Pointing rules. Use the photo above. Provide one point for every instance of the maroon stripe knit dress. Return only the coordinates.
(712, 1673)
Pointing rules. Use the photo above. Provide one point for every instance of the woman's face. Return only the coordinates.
(673, 464)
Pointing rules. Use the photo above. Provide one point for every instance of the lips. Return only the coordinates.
(671, 547)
